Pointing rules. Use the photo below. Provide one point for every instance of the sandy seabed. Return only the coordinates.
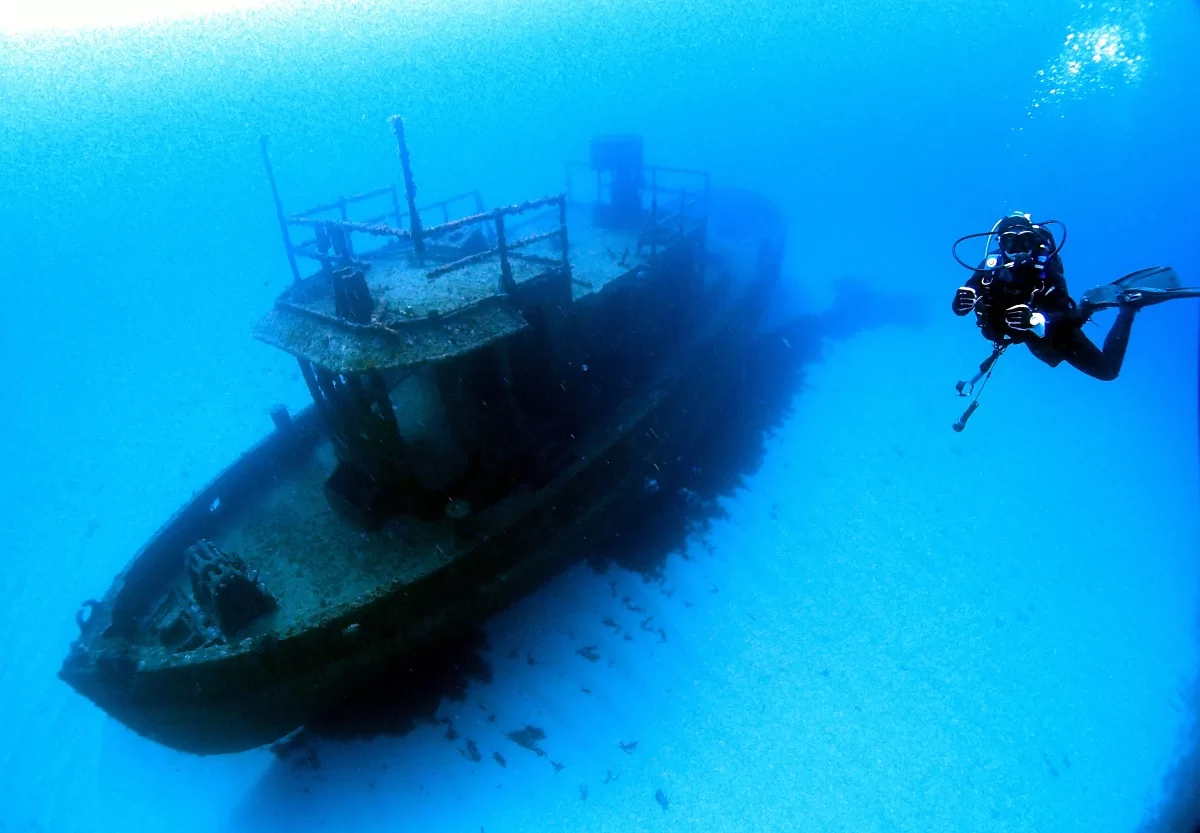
(897, 627)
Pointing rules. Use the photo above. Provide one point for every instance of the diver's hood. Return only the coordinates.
(1014, 240)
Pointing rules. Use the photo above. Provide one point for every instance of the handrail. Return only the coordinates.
(503, 247)
(664, 168)
(534, 238)
(376, 229)
(653, 170)
(482, 217)
(676, 215)
(341, 202)
(687, 171)
(655, 222)
(495, 216)
(384, 230)
(455, 265)
(448, 201)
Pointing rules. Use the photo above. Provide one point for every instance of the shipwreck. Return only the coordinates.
(487, 384)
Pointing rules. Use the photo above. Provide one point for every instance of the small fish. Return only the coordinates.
(557, 767)
(471, 752)
(609, 777)
(528, 738)
(628, 748)
(661, 798)
(451, 735)
(588, 652)
(498, 758)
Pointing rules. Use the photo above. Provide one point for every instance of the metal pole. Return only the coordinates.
(653, 213)
(283, 227)
(506, 276)
(410, 189)
(562, 225)
(396, 208)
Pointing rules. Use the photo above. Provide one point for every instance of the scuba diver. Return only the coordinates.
(1019, 296)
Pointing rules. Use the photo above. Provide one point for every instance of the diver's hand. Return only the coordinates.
(1022, 317)
(964, 300)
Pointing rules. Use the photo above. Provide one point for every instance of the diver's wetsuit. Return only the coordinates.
(1064, 338)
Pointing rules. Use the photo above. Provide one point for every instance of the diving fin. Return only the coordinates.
(1141, 288)
(1147, 296)
(1156, 277)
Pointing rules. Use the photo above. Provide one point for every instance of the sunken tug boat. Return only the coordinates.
(487, 384)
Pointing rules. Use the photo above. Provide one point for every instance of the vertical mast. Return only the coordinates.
(410, 189)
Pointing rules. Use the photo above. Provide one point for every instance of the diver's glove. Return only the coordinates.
(1022, 317)
(964, 300)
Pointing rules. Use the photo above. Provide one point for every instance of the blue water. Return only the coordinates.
(913, 630)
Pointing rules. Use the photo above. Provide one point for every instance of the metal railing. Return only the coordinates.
(333, 238)
(338, 235)
(504, 248)
(333, 235)
(318, 247)
(681, 198)
(703, 179)
(656, 224)
(341, 204)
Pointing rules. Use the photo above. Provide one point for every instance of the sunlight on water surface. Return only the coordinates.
(1102, 50)
(67, 15)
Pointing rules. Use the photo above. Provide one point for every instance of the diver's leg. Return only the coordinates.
(1105, 364)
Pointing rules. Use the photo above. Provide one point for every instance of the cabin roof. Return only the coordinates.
(417, 318)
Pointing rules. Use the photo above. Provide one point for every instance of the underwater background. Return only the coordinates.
(891, 626)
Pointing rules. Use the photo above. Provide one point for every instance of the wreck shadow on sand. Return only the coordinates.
(712, 453)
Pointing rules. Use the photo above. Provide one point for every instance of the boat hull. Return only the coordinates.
(242, 699)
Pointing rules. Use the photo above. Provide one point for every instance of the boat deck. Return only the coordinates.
(418, 318)
(313, 560)
(403, 290)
